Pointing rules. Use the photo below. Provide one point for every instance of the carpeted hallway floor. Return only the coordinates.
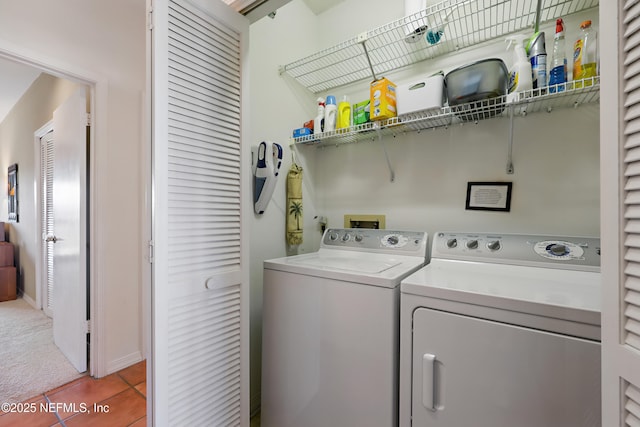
(31, 362)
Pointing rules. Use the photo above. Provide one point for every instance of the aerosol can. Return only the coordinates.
(538, 58)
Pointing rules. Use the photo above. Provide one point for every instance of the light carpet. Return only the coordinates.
(30, 362)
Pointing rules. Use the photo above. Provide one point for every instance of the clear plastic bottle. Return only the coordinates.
(558, 73)
(585, 55)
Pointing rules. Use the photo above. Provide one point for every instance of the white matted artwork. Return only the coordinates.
(489, 196)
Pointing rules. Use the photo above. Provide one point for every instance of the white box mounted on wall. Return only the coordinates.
(419, 95)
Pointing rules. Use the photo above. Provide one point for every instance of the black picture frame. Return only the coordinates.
(489, 196)
(12, 192)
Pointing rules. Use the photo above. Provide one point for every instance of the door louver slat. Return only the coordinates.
(632, 405)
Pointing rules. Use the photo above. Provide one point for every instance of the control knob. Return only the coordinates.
(333, 236)
(346, 237)
(558, 249)
(472, 244)
(494, 245)
(452, 243)
(393, 240)
(358, 238)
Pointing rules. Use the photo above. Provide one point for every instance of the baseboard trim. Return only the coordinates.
(124, 362)
(30, 301)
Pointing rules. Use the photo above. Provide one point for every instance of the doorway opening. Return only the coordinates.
(27, 233)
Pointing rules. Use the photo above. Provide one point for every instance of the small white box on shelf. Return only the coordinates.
(419, 95)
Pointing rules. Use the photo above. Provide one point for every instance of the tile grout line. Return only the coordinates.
(60, 420)
(132, 386)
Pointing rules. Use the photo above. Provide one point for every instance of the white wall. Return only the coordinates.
(17, 145)
(106, 39)
(556, 179)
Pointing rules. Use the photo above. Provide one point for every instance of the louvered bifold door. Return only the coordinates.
(200, 263)
(46, 216)
(628, 348)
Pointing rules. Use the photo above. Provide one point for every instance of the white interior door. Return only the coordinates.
(70, 222)
(201, 201)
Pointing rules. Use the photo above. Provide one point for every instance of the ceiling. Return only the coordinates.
(14, 82)
(15, 78)
(319, 6)
(257, 9)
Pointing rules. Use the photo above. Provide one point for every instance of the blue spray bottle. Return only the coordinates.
(558, 73)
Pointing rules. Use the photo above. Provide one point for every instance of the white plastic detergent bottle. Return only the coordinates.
(520, 72)
(538, 59)
(319, 119)
(330, 113)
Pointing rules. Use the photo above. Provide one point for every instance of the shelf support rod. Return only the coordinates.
(362, 39)
(392, 174)
(510, 146)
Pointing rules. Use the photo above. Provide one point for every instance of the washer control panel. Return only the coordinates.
(373, 240)
(577, 253)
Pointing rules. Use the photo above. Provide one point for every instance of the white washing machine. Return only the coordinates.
(501, 331)
(330, 330)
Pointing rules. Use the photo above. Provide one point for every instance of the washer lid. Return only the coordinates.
(562, 294)
(384, 270)
(355, 264)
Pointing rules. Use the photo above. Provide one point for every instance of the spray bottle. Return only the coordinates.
(520, 72)
(318, 122)
(558, 73)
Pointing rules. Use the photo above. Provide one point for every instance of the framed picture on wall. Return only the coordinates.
(489, 196)
(13, 192)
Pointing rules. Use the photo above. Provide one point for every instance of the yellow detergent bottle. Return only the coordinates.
(585, 55)
(344, 114)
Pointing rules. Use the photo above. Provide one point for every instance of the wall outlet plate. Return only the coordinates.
(364, 221)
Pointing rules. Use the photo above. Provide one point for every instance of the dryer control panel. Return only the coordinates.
(412, 243)
(575, 253)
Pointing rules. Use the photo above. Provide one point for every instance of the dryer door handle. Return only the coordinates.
(428, 381)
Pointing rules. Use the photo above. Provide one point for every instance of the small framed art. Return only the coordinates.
(489, 196)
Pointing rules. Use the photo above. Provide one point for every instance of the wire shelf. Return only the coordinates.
(403, 42)
(566, 95)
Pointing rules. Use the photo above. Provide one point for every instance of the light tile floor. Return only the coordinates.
(85, 401)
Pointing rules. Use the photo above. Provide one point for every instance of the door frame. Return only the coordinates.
(98, 89)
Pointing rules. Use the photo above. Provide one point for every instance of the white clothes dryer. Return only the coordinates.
(330, 330)
(502, 330)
